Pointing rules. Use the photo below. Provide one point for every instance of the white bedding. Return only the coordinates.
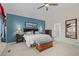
(37, 38)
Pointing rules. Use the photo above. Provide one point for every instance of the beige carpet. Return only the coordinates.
(2, 46)
(59, 49)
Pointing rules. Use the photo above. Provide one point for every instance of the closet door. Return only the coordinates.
(57, 31)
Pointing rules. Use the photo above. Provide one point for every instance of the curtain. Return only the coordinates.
(2, 10)
(3, 21)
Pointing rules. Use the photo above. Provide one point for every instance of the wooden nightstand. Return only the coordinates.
(19, 38)
(49, 32)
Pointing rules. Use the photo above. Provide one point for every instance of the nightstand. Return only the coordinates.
(49, 32)
(19, 38)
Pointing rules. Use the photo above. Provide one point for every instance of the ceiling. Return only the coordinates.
(30, 9)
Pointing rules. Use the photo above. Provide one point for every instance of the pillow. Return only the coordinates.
(25, 32)
(42, 32)
(37, 32)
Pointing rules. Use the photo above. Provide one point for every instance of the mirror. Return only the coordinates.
(71, 28)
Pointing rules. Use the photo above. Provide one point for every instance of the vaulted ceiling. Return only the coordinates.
(30, 9)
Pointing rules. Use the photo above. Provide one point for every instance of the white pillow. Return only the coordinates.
(29, 32)
(37, 32)
(25, 32)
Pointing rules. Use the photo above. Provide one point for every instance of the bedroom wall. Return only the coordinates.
(14, 20)
(65, 12)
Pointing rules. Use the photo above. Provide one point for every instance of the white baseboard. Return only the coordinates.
(11, 43)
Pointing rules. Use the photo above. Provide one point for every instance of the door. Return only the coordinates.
(1, 28)
(57, 31)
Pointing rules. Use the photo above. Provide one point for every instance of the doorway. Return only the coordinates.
(2, 38)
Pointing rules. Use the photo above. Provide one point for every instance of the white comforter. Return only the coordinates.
(36, 38)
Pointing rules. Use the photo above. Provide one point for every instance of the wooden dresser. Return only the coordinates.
(19, 38)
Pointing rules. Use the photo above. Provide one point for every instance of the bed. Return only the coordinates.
(37, 39)
(40, 40)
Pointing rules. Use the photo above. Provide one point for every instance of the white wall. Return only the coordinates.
(54, 15)
(65, 12)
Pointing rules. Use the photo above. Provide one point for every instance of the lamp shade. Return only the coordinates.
(40, 29)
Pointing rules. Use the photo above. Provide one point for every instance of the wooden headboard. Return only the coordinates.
(30, 29)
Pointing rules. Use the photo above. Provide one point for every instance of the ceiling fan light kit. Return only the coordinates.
(46, 5)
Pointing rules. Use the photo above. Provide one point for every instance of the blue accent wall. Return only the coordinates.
(14, 20)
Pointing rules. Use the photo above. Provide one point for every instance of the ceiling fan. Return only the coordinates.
(46, 5)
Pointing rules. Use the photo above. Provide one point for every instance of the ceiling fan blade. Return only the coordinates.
(40, 6)
(46, 8)
(46, 3)
(54, 4)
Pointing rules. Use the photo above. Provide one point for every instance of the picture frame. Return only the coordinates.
(71, 28)
(31, 25)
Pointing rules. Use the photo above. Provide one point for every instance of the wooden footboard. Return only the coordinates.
(44, 46)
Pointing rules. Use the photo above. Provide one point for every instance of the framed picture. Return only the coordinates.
(31, 25)
(71, 28)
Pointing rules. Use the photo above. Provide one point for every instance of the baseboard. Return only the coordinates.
(11, 43)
